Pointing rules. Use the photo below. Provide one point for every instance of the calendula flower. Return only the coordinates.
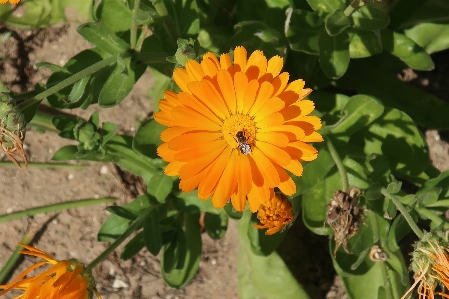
(10, 1)
(236, 128)
(430, 263)
(66, 279)
(275, 214)
(12, 130)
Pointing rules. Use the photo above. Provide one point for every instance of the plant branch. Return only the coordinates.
(341, 168)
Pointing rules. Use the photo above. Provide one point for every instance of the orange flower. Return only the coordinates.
(275, 214)
(236, 127)
(66, 279)
(10, 1)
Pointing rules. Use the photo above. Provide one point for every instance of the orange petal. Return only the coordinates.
(290, 112)
(240, 56)
(266, 168)
(191, 183)
(227, 183)
(193, 103)
(210, 64)
(307, 150)
(194, 70)
(191, 140)
(296, 86)
(274, 153)
(279, 83)
(209, 183)
(257, 196)
(244, 174)
(250, 95)
(240, 84)
(272, 105)
(226, 84)
(275, 65)
(196, 90)
(170, 133)
(256, 66)
(275, 119)
(287, 185)
(210, 92)
(166, 119)
(225, 61)
(199, 151)
(292, 132)
(307, 106)
(191, 118)
(166, 153)
(173, 167)
(181, 78)
(264, 94)
(275, 138)
(295, 167)
(314, 137)
(238, 201)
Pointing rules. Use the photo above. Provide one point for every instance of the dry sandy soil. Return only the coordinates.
(72, 234)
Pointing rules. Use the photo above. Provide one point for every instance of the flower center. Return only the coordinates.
(240, 131)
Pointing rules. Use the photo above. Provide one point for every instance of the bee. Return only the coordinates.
(244, 147)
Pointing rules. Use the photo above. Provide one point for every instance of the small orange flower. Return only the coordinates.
(66, 279)
(236, 128)
(275, 214)
(10, 1)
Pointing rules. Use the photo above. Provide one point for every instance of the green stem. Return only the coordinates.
(404, 213)
(56, 207)
(131, 229)
(14, 257)
(429, 215)
(134, 24)
(353, 6)
(44, 165)
(67, 82)
(341, 168)
(162, 11)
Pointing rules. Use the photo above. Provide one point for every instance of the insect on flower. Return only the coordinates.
(244, 147)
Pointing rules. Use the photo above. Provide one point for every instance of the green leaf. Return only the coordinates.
(256, 35)
(334, 54)
(78, 90)
(425, 109)
(215, 38)
(360, 111)
(133, 247)
(114, 14)
(65, 153)
(115, 226)
(160, 186)
(407, 14)
(190, 203)
(337, 22)
(370, 18)
(407, 50)
(179, 277)
(394, 130)
(432, 37)
(231, 212)
(325, 8)
(118, 85)
(428, 196)
(216, 225)
(152, 233)
(102, 37)
(122, 212)
(263, 276)
(161, 83)
(363, 43)
(147, 138)
(303, 30)
(394, 187)
(397, 231)
(373, 192)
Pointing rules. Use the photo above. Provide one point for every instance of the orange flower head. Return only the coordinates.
(236, 127)
(66, 279)
(430, 263)
(10, 1)
(275, 214)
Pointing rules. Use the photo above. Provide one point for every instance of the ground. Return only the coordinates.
(72, 234)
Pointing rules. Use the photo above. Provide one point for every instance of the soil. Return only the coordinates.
(72, 233)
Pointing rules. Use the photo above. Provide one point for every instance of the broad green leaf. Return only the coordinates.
(216, 224)
(303, 30)
(179, 277)
(370, 18)
(147, 138)
(256, 35)
(161, 83)
(360, 111)
(337, 22)
(271, 12)
(78, 90)
(190, 203)
(159, 186)
(332, 103)
(215, 39)
(231, 212)
(115, 226)
(308, 68)
(325, 8)
(334, 54)
(122, 212)
(397, 231)
(114, 14)
(407, 14)
(152, 233)
(425, 109)
(394, 187)
(363, 43)
(119, 84)
(407, 50)
(133, 247)
(102, 37)
(64, 123)
(263, 276)
(441, 181)
(154, 53)
(396, 136)
(42, 13)
(373, 192)
(432, 37)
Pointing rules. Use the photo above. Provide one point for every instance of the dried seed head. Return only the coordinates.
(12, 129)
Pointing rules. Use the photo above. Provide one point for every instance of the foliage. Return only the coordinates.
(348, 52)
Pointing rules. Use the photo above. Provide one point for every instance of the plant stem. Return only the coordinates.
(131, 229)
(341, 168)
(67, 82)
(14, 257)
(134, 24)
(404, 213)
(56, 207)
(44, 165)
(353, 6)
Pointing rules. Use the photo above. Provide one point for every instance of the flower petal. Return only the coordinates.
(250, 95)
(264, 94)
(227, 90)
(273, 105)
(193, 167)
(194, 70)
(194, 104)
(240, 85)
(266, 168)
(191, 118)
(208, 185)
(191, 140)
(240, 59)
(275, 138)
(181, 78)
(295, 167)
(227, 183)
(211, 94)
(199, 151)
(274, 153)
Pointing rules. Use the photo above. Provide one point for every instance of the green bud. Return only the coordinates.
(186, 51)
(12, 122)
